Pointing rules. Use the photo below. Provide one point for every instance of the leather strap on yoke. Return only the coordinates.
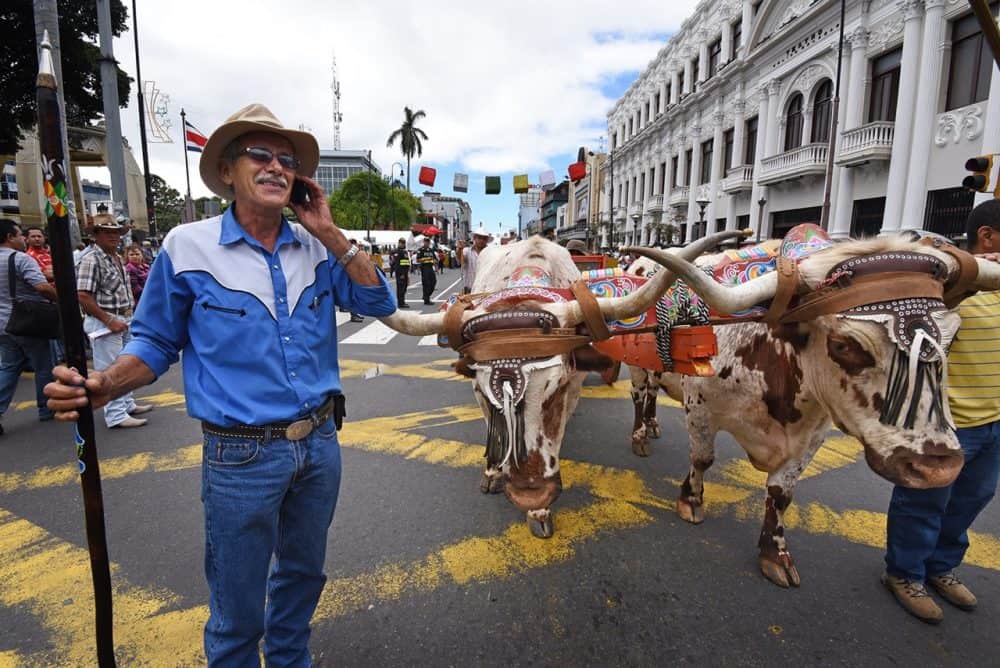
(592, 315)
(968, 272)
(453, 321)
(788, 284)
(522, 343)
(870, 289)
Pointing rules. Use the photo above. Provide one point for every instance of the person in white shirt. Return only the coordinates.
(470, 258)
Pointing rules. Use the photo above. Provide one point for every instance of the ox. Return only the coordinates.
(529, 349)
(875, 366)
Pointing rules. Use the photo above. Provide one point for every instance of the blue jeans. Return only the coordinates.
(106, 349)
(927, 528)
(262, 499)
(15, 354)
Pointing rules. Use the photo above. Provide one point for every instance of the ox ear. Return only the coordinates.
(588, 358)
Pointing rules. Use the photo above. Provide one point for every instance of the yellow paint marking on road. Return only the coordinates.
(11, 659)
(478, 559)
(50, 579)
(24, 405)
(358, 368)
(165, 398)
(622, 390)
(836, 452)
(111, 468)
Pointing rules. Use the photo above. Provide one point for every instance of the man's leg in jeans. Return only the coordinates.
(12, 361)
(39, 351)
(243, 484)
(297, 576)
(912, 530)
(106, 350)
(970, 494)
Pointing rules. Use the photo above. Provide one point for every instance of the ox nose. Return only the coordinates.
(935, 466)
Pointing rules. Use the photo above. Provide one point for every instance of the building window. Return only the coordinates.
(706, 161)
(793, 123)
(822, 112)
(714, 57)
(737, 40)
(673, 170)
(743, 222)
(614, 141)
(693, 84)
(727, 150)
(630, 128)
(688, 154)
(885, 86)
(663, 177)
(750, 141)
(866, 219)
(647, 113)
(642, 186)
(635, 192)
(947, 211)
(680, 84)
(971, 63)
(783, 221)
(656, 100)
(720, 224)
(667, 100)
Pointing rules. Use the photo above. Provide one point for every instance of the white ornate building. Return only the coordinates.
(733, 117)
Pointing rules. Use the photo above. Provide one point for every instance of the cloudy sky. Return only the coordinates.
(508, 88)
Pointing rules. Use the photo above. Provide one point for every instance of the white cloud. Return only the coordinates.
(506, 86)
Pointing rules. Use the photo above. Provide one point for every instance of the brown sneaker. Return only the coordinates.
(953, 591)
(914, 598)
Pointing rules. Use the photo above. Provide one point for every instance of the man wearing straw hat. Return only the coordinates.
(251, 299)
(470, 257)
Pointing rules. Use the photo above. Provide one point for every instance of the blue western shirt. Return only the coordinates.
(258, 328)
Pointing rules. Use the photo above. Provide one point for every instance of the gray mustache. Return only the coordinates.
(270, 179)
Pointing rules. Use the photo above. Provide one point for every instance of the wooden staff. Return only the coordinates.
(54, 173)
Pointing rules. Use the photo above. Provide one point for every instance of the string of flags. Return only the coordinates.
(577, 171)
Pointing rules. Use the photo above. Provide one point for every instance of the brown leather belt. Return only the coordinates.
(291, 431)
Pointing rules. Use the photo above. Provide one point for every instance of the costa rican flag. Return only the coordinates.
(194, 140)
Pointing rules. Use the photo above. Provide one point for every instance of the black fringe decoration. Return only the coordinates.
(898, 387)
(497, 439)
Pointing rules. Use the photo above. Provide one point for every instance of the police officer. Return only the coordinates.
(427, 259)
(400, 266)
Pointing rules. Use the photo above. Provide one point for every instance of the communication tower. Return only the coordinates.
(337, 116)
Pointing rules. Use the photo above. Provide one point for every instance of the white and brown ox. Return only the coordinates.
(877, 370)
(528, 397)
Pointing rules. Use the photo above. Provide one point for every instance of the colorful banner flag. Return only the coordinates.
(427, 176)
(520, 183)
(492, 185)
(547, 178)
(461, 183)
(577, 171)
(194, 139)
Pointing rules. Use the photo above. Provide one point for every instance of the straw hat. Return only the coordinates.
(105, 221)
(481, 231)
(253, 118)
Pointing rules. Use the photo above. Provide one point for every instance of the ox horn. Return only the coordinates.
(620, 308)
(415, 324)
(988, 278)
(724, 299)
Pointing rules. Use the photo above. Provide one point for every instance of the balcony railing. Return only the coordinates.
(679, 196)
(872, 141)
(654, 204)
(792, 164)
(635, 209)
(620, 214)
(738, 179)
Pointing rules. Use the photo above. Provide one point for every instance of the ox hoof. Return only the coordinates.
(690, 512)
(541, 528)
(488, 485)
(653, 430)
(640, 448)
(781, 572)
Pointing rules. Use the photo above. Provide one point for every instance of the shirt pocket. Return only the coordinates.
(214, 308)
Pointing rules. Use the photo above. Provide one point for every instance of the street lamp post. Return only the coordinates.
(702, 202)
(368, 208)
(760, 216)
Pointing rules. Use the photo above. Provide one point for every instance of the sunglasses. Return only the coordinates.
(264, 156)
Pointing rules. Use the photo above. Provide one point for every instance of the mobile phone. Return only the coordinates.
(300, 193)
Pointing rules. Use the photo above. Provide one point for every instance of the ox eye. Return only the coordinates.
(849, 354)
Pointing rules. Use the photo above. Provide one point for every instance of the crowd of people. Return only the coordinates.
(275, 381)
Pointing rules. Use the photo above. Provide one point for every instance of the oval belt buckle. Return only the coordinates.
(299, 429)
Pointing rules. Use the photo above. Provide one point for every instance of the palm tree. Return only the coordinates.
(409, 136)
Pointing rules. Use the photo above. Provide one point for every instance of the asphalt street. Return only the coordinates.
(425, 570)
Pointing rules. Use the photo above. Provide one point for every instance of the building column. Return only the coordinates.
(716, 174)
(702, 58)
(776, 124)
(668, 178)
(909, 73)
(688, 73)
(747, 25)
(924, 113)
(739, 132)
(675, 85)
(692, 216)
(764, 124)
(727, 39)
(681, 163)
(840, 226)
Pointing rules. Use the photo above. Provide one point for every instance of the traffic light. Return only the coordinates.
(981, 167)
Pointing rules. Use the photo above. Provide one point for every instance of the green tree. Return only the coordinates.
(167, 204)
(363, 192)
(81, 84)
(409, 136)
